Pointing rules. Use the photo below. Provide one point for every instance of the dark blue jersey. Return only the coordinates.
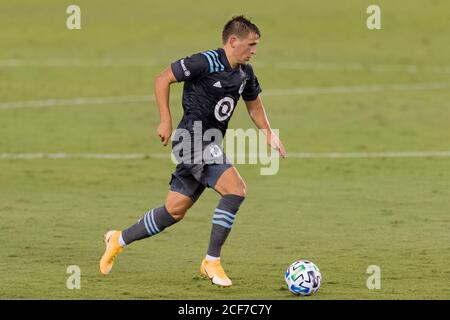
(212, 88)
(211, 91)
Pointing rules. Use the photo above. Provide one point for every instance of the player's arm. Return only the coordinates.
(181, 70)
(258, 115)
(162, 93)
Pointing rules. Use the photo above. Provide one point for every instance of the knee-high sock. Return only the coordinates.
(153, 222)
(222, 222)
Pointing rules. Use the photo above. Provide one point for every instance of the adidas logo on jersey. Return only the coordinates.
(217, 84)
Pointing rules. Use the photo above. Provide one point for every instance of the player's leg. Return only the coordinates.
(152, 223)
(231, 187)
(231, 182)
(157, 219)
(184, 191)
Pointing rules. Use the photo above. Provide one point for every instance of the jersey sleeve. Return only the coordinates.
(252, 88)
(190, 67)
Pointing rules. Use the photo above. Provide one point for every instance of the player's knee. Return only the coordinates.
(243, 191)
(240, 189)
(177, 211)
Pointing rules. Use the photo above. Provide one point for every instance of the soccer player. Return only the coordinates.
(213, 83)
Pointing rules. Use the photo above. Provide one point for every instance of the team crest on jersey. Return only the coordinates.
(224, 108)
(241, 88)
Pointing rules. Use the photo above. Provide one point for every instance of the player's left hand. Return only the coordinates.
(281, 150)
(276, 144)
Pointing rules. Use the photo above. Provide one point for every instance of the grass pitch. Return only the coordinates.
(369, 91)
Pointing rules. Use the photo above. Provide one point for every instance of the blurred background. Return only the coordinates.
(79, 152)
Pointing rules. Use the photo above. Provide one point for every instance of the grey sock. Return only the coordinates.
(222, 222)
(153, 222)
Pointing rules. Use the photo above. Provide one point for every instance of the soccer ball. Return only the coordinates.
(303, 278)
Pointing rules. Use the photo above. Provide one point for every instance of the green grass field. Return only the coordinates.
(373, 91)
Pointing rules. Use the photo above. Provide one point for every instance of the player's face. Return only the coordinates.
(245, 48)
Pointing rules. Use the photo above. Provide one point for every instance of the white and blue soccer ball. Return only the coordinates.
(303, 278)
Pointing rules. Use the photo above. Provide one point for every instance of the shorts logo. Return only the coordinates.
(187, 73)
(224, 108)
(215, 151)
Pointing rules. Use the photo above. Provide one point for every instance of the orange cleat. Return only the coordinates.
(213, 270)
(113, 248)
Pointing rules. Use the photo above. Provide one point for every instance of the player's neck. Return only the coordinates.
(233, 62)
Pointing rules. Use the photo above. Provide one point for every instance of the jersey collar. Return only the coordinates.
(224, 59)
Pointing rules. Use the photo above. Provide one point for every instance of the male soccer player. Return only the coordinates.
(213, 83)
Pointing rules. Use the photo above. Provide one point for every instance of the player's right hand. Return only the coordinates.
(164, 132)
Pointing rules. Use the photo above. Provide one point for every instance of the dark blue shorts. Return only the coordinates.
(192, 179)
